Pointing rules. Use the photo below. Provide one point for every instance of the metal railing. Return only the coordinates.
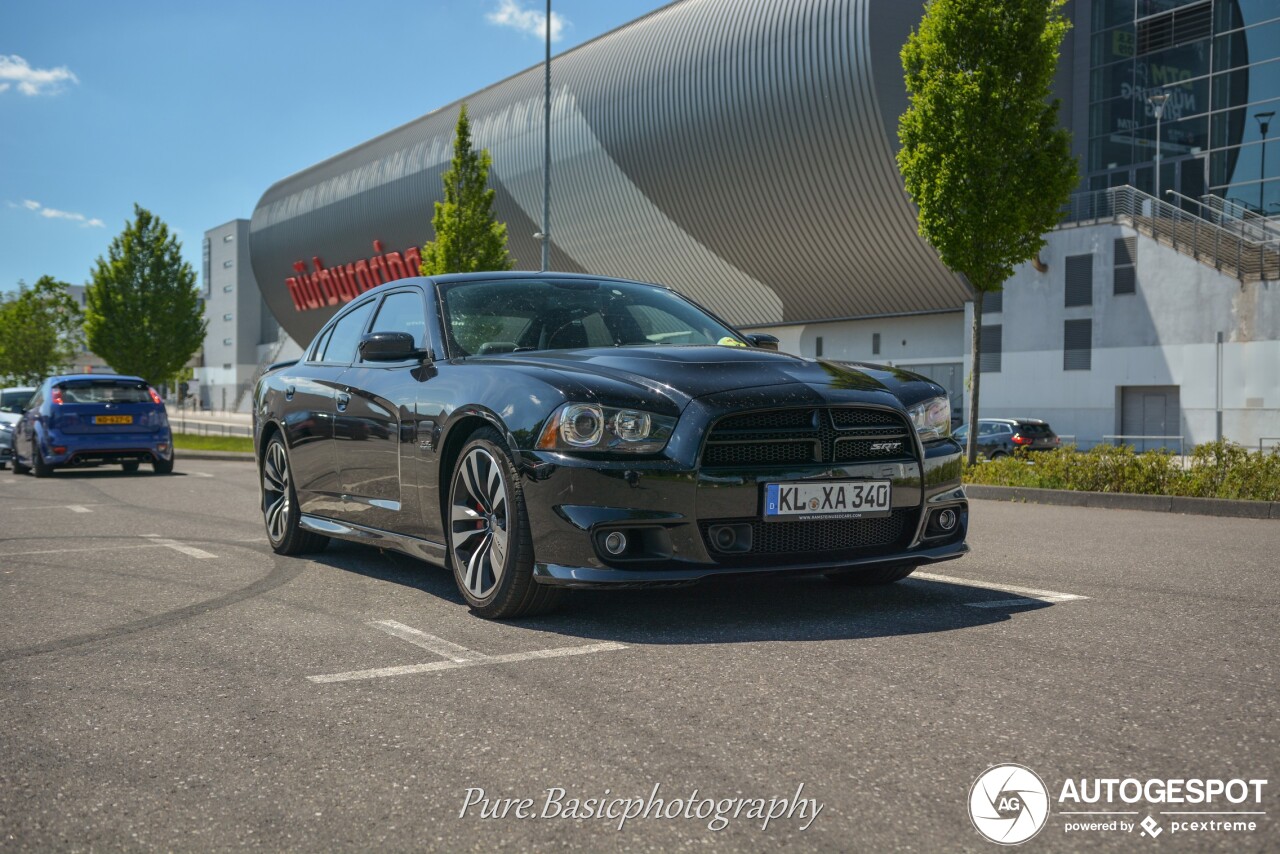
(1224, 248)
(1123, 439)
(1257, 225)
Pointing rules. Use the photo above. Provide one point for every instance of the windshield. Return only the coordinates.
(519, 315)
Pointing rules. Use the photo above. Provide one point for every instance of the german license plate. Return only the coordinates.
(831, 499)
(113, 419)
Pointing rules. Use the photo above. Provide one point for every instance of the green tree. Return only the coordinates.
(40, 331)
(468, 238)
(144, 314)
(982, 154)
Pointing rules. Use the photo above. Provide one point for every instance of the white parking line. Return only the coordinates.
(74, 508)
(459, 656)
(190, 551)
(1027, 595)
(199, 474)
(68, 551)
(431, 643)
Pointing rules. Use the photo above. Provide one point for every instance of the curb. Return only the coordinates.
(1223, 507)
(237, 456)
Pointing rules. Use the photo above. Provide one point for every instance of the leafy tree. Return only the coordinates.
(468, 238)
(982, 154)
(144, 314)
(40, 331)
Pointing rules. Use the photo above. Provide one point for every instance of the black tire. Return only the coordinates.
(998, 455)
(160, 466)
(19, 468)
(872, 576)
(489, 546)
(280, 512)
(130, 466)
(38, 466)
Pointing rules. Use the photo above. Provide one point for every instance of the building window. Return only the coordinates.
(992, 302)
(1125, 279)
(226, 366)
(817, 347)
(226, 342)
(226, 289)
(226, 316)
(1077, 345)
(875, 344)
(992, 346)
(228, 264)
(227, 238)
(204, 267)
(1079, 290)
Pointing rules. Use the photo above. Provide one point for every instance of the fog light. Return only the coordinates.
(162, 448)
(947, 520)
(615, 543)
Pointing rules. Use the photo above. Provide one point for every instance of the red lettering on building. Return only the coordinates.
(325, 286)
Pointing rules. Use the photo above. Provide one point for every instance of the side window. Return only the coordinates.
(341, 347)
(317, 348)
(403, 312)
(986, 429)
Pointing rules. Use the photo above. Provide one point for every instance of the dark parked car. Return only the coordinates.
(1000, 437)
(541, 431)
(92, 420)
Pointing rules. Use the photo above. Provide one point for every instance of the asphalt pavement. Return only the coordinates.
(167, 683)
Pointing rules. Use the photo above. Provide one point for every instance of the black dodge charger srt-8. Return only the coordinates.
(537, 431)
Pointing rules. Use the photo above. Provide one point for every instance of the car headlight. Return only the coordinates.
(932, 418)
(591, 427)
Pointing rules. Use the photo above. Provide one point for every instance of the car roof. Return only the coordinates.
(450, 278)
(1011, 421)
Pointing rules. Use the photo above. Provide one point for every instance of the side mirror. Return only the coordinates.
(390, 347)
(763, 340)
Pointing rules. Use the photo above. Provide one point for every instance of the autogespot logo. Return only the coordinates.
(1008, 804)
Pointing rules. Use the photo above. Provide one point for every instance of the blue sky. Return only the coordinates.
(193, 109)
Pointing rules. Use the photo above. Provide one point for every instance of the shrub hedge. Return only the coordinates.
(1214, 470)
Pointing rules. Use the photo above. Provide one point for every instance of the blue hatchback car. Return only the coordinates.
(92, 420)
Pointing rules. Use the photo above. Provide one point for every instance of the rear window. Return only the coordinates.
(10, 399)
(91, 391)
(1034, 429)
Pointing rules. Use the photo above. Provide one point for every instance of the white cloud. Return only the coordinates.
(33, 81)
(532, 21)
(54, 213)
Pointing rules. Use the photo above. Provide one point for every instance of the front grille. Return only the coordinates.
(807, 435)
(760, 454)
(817, 541)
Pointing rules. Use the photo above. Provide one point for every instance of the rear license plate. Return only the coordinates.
(839, 499)
(113, 419)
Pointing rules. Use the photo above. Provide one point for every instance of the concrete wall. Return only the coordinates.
(1164, 334)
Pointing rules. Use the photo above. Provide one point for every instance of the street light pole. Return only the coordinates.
(546, 162)
(1264, 125)
(1157, 106)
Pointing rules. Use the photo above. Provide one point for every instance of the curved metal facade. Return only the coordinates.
(740, 151)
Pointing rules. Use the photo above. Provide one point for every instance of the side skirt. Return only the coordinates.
(412, 546)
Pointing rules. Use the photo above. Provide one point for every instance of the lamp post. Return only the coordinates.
(1264, 125)
(546, 153)
(1157, 106)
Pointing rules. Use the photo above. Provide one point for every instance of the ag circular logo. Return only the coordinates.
(1008, 804)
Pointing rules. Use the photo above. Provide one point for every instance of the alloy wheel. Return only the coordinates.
(478, 532)
(275, 491)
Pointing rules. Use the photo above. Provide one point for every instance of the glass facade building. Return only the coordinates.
(1218, 63)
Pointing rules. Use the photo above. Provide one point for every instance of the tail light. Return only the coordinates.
(56, 396)
(1019, 439)
(1057, 440)
(155, 398)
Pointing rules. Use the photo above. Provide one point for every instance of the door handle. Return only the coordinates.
(343, 400)
(289, 392)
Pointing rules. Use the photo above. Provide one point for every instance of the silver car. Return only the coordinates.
(12, 402)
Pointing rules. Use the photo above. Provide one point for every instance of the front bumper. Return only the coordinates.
(573, 504)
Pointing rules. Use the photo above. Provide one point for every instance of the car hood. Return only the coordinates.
(683, 373)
